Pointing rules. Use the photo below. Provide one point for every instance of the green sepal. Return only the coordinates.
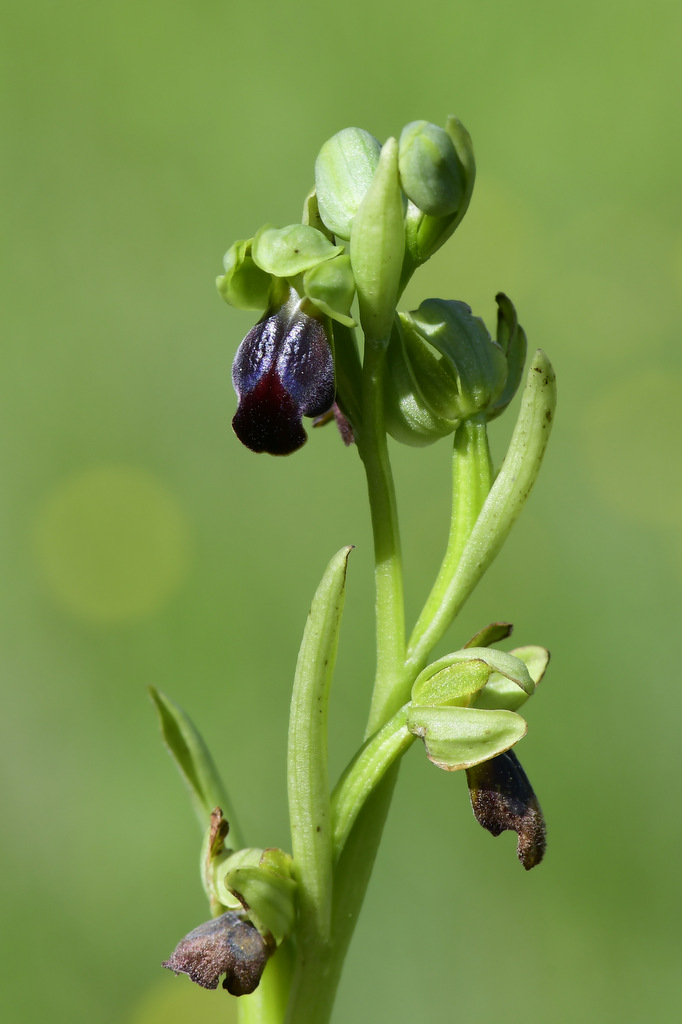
(444, 681)
(420, 389)
(511, 337)
(266, 890)
(501, 692)
(344, 169)
(457, 738)
(192, 758)
(286, 252)
(376, 247)
(243, 285)
(311, 215)
(478, 362)
(331, 287)
(430, 172)
(491, 634)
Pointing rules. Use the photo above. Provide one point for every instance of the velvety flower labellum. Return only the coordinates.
(502, 798)
(226, 945)
(283, 370)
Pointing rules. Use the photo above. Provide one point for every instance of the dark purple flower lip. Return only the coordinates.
(502, 799)
(283, 370)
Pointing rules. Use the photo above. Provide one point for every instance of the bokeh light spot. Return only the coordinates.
(112, 544)
(631, 433)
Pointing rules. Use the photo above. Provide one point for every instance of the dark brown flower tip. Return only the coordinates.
(502, 799)
(283, 370)
(226, 945)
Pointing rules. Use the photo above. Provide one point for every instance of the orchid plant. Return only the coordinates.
(280, 922)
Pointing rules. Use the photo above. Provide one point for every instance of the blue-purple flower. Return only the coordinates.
(283, 370)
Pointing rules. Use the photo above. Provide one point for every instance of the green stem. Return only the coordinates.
(390, 614)
(267, 1005)
(471, 482)
(364, 773)
(500, 510)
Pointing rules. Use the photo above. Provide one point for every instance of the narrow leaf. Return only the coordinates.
(308, 777)
(193, 760)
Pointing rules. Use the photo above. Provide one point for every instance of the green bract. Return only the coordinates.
(377, 245)
(344, 170)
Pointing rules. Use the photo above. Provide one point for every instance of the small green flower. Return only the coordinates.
(443, 367)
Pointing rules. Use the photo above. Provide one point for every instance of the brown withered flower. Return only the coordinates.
(229, 945)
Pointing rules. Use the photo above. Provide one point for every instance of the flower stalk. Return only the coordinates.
(281, 924)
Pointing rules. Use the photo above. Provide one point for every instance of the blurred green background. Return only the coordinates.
(141, 544)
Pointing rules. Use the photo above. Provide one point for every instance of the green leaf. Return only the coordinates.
(192, 758)
(285, 252)
(457, 738)
(344, 170)
(308, 774)
(501, 692)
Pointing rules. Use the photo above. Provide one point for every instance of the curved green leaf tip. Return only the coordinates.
(192, 758)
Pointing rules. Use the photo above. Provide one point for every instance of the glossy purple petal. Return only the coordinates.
(283, 370)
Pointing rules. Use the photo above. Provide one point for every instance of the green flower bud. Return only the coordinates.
(443, 367)
(477, 362)
(425, 230)
(420, 392)
(344, 170)
(243, 285)
(430, 172)
(377, 245)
